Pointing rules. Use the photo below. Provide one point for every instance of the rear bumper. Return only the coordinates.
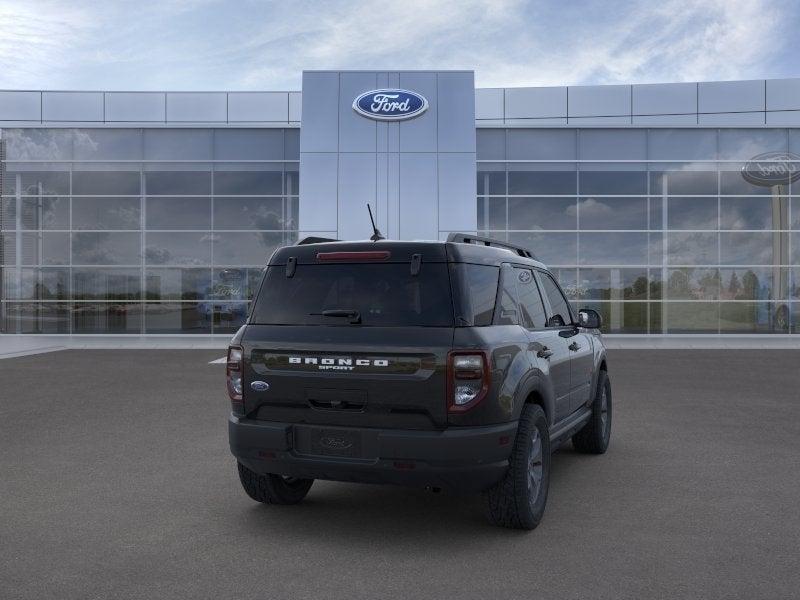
(460, 458)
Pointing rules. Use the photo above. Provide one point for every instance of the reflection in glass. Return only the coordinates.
(732, 182)
(542, 213)
(621, 317)
(178, 213)
(106, 213)
(106, 284)
(177, 317)
(613, 249)
(612, 213)
(177, 284)
(752, 283)
(39, 284)
(491, 182)
(227, 317)
(691, 317)
(106, 248)
(107, 317)
(48, 248)
(683, 182)
(248, 182)
(178, 248)
(107, 144)
(112, 183)
(492, 213)
(250, 213)
(36, 183)
(754, 317)
(692, 213)
(236, 283)
(748, 248)
(239, 249)
(693, 284)
(32, 317)
(750, 213)
(696, 248)
(177, 183)
(528, 182)
(612, 183)
(613, 284)
(550, 248)
(44, 212)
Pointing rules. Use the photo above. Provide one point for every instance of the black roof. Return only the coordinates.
(471, 250)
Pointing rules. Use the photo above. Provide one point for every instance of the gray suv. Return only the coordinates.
(456, 365)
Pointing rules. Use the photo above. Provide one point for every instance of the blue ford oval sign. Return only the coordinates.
(390, 105)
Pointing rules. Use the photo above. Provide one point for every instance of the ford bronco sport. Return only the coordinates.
(457, 365)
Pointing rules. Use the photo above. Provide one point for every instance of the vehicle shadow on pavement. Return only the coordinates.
(359, 512)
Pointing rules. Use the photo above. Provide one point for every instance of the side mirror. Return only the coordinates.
(590, 319)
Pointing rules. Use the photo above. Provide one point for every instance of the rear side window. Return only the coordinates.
(475, 292)
(507, 299)
(560, 314)
(384, 295)
(533, 314)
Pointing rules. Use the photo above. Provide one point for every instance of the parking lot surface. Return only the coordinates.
(116, 482)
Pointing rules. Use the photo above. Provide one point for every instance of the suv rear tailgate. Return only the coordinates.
(351, 376)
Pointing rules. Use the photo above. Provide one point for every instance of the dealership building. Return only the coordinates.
(672, 209)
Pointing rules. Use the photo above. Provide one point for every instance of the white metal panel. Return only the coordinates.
(730, 96)
(784, 118)
(419, 134)
(599, 100)
(580, 121)
(258, 106)
(664, 98)
(197, 107)
(356, 132)
(489, 103)
(295, 106)
(783, 94)
(320, 129)
(732, 119)
(318, 204)
(20, 106)
(665, 119)
(357, 173)
(72, 106)
(456, 118)
(419, 213)
(136, 107)
(537, 122)
(457, 194)
(535, 103)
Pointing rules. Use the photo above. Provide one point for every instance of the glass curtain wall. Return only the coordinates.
(659, 230)
(130, 231)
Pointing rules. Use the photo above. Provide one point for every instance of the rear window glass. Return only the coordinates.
(477, 290)
(384, 295)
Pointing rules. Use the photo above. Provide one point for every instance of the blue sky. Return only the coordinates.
(253, 45)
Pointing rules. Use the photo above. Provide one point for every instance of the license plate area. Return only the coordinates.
(326, 441)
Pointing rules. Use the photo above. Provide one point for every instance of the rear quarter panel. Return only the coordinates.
(510, 367)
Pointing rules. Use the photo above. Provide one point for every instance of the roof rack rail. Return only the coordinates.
(465, 238)
(314, 240)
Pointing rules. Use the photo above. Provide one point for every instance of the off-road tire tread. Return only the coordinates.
(271, 489)
(589, 440)
(506, 504)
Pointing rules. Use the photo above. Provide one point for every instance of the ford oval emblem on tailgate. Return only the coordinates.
(259, 386)
(335, 443)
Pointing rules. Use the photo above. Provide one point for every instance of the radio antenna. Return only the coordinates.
(376, 235)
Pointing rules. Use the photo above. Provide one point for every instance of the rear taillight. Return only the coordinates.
(233, 373)
(468, 379)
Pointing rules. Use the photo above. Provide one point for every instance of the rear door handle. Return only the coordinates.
(574, 346)
(545, 352)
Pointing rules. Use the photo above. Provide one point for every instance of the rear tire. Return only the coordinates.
(519, 499)
(595, 435)
(273, 489)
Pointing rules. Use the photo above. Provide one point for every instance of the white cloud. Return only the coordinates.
(207, 44)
